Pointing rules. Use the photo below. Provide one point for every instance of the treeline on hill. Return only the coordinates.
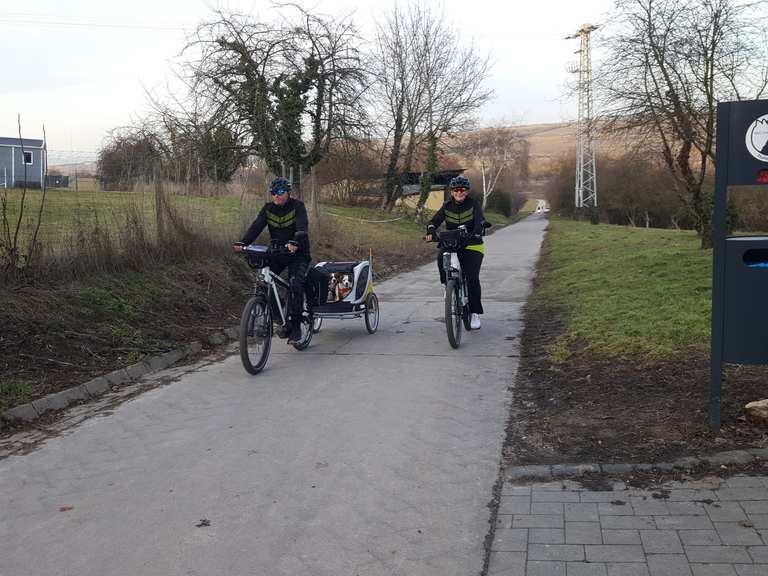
(667, 64)
(635, 189)
(351, 120)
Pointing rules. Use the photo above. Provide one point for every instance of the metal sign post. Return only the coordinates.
(739, 264)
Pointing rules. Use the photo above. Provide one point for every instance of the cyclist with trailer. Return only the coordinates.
(286, 218)
(463, 210)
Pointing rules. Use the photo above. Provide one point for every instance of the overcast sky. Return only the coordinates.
(81, 67)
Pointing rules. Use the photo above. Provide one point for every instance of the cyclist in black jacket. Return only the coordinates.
(286, 219)
(463, 210)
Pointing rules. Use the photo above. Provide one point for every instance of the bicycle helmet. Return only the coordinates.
(459, 182)
(279, 185)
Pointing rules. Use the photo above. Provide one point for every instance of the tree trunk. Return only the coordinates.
(427, 177)
(392, 176)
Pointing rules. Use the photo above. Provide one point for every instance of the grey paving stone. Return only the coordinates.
(515, 505)
(555, 485)
(741, 481)
(718, 554)
(628, 522)
(217, 339)
(713, 570)
(616, 468)
(232, 333)
(759, 452)
(117, 378)
(555, 496)
(725, 512)
(585, 569)
(754, 506)
(539, 568)
(97, 387)
(60, 400)
(608, 496)
(556, 552)
(699, 537)
(650, 507)
(138, 370)
(759, 521)
(751, 569)
(615, 553)
(508, 489)
(730, 457)
(610, 509)
(668, 565)
(621, 537)
(689, 495)
(583, 533)
(627, 569)
(510, 540)
(581, 512)
(759, 555)
(23, 413)
(506, 564)
(547, 508)
(194, 348)
(686, 509)
(575, 469)
(518, 472)
(736, 534)
(661, 542)
(546, 536)
(683, 523)
(727, 494)
(538, 521)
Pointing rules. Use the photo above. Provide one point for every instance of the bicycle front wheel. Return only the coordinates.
(453, 313)
(255, 335)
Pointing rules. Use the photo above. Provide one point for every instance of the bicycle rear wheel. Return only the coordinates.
(255, 335)
(453, 313)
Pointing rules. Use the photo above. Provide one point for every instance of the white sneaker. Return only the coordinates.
(474, 322)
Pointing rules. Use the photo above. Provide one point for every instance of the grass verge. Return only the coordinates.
(615, 352)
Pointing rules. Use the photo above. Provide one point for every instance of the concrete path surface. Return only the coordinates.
(363, 455)
(704, 527)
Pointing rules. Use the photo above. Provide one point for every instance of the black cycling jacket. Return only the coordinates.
(469, 213)
(285, 222)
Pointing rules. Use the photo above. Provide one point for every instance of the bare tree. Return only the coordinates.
(294, 86)
(496, 151)
(668, 63)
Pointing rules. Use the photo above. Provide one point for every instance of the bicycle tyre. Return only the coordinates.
(453, 314)
(251, 342)
(307, 325)
(372, 313)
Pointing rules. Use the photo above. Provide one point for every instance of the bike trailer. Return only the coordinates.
(340, 284)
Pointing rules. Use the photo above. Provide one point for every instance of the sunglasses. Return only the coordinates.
(460, 190)
(278, 192)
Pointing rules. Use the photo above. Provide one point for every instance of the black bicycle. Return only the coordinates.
(266, 310)
(457, 313)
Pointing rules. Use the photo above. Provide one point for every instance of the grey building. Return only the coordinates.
(21, 163)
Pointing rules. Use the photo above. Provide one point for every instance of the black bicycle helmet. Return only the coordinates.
(280, 184)
(459, 182)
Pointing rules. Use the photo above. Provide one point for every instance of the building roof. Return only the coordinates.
(28, 142)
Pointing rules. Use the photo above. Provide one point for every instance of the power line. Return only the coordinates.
(89, 22)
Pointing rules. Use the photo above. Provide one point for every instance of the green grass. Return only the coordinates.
(14, 392)
(625, 290)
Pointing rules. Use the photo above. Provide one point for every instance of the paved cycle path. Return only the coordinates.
(363, 455)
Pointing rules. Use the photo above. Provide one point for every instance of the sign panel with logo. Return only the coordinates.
(739, 263)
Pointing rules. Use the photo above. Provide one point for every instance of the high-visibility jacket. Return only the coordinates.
(285, 222)
(469, 213)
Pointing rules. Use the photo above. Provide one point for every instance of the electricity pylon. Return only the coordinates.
(586, 174)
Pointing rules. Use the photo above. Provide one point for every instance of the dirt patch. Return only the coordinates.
(593, 408)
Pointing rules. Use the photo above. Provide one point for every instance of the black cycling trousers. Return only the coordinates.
(471, 261)
(297, 273)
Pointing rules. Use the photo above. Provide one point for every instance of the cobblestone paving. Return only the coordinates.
(709, 527)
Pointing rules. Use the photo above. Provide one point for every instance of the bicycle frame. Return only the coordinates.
(269, 280)
(452, 268)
